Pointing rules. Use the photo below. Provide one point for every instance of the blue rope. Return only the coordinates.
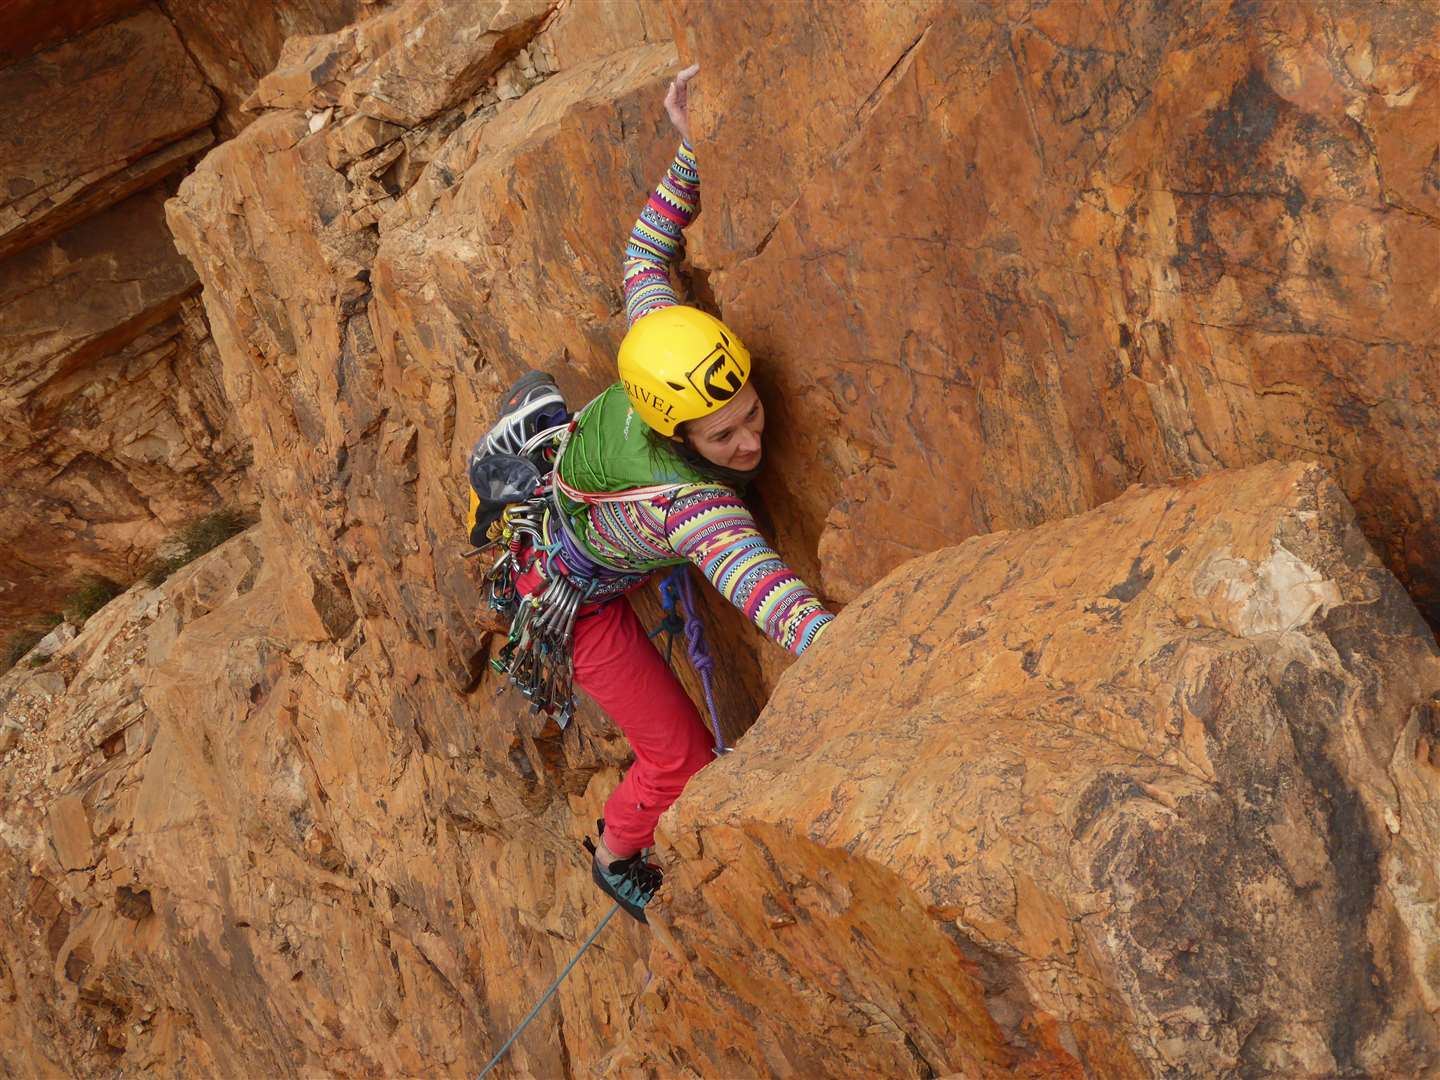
(672, 623)
(548, 993)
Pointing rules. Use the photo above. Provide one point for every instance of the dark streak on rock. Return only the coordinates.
(1105, 790)
(1310, 702)
(1133, 585)
(1241, 127)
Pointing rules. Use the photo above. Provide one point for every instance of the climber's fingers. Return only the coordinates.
(686, 75)
(677, 100)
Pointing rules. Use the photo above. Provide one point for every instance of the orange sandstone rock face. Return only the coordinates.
(227, 850)
(1145, 792)
(93, 119)
(32, 25)
(113, 425)
(973, 247)
(1029, 253)
(236, 42)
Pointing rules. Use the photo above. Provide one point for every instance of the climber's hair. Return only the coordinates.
(679, 446)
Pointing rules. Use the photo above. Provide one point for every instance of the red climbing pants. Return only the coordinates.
(620, 668)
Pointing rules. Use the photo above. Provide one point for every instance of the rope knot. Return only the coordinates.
(695, 647)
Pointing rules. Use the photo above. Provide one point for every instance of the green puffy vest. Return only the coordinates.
(609, 451)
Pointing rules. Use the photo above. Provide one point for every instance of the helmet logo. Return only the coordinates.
(650, 398)
(718, 377)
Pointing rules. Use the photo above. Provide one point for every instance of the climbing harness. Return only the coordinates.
(548, 993)
(538, 654)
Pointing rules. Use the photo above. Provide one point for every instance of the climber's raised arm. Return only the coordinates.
(656, 241)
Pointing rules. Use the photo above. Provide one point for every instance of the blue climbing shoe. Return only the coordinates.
(631, 882)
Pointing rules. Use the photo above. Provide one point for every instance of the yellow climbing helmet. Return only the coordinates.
(680, 364)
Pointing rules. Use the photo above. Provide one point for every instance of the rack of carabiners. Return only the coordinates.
(537, 656)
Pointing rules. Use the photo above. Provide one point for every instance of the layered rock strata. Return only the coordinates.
(236, 42)
(113, 427)
(32, 25)
(1148, 792)
(228, 852)
(93, 119)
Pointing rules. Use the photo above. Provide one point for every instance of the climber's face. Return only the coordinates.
(730, 436)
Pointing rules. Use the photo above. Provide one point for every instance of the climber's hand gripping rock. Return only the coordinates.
(677, 100)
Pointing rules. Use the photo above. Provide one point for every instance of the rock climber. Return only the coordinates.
(647, 475)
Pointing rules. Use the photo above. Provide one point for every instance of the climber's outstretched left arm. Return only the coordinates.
(714, 529)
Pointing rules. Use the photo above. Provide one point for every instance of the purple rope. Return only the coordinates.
(697, 650)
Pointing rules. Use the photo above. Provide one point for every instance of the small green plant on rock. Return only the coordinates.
(23, 640)
(18, 644)
(93, 593)
(195, 539)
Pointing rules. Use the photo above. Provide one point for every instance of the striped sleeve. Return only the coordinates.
(711, 527)
(656, 240)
